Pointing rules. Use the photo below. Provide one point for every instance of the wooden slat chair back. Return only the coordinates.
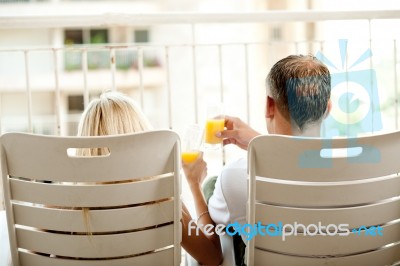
(121, 208)
(342, 184)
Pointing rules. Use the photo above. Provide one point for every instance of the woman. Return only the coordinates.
(201, 247)
(114, 113)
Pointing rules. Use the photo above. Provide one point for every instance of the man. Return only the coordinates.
(298, 92)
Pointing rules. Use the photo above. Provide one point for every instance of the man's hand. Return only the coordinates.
(237, 132)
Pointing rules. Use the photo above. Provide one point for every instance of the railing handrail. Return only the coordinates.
(49, 19)
(132, 46)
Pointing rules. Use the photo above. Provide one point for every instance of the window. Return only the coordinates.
(100, 59)
(73, 37)
(75, 103)
(150, 56)
(96, 59)
(276, 33)
(98, 36)
(85, 36)
(141, 35)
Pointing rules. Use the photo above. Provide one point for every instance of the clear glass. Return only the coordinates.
(192, 143)
(215, 122)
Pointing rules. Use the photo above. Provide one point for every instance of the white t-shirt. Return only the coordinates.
(228, 203)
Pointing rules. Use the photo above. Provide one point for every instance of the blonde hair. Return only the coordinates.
(113, 113)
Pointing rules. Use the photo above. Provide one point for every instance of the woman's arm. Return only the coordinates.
(206, 249)
(201, 248)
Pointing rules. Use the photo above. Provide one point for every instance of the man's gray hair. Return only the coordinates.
(301, 88)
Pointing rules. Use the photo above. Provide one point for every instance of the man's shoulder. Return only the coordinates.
(238, 164)
(234, 175)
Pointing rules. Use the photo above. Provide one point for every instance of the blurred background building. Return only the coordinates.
(68, 24)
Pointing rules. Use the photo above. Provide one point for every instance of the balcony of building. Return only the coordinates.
(55, 56)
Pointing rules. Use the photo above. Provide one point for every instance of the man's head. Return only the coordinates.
(298, 92)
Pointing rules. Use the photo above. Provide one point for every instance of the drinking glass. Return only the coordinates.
(192, 143)
(215, 122)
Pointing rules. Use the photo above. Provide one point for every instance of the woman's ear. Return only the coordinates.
(270, 107)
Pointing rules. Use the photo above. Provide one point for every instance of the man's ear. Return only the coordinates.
(328, 108)
(270, 107)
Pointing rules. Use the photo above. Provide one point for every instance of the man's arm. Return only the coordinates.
(237, 132)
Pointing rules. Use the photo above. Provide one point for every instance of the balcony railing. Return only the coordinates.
(197, 65)
(209, 56)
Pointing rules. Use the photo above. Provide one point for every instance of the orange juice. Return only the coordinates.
(189, 156)
(212, 127)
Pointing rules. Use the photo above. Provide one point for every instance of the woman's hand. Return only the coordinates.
(195, 171)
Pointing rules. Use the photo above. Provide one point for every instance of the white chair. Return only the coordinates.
(340, 181)
(128, 223)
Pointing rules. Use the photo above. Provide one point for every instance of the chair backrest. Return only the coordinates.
(330, 191)
(63, 209)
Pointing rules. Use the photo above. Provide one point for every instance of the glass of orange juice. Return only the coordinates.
(192, 142)
(215, 122)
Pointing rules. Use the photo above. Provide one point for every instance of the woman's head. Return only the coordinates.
(112, 113)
